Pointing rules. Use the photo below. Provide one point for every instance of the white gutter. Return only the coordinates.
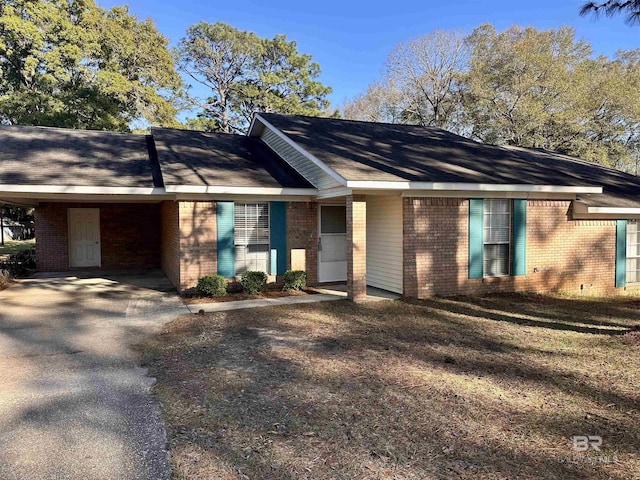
(614, 210)
(211, 189)
(74, 189)
(470, 187)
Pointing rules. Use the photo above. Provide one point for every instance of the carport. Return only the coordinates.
(96, 195)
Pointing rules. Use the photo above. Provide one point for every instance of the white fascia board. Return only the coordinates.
(614, 210)
(312, 158)
(198, 197)
(74, 189)
(472, 194)
(470, 187)
(212, 189)
(253, 122)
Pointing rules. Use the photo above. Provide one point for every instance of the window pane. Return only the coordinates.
(500, 220)
(497, 236)
(496, 260)
(497, 205)
(633, 265)
(334, 248)
(251, 224)
(633, 252)
(333, 219)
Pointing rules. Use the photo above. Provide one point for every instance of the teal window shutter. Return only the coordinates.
(476, 237)
(519, 236)
(278, 232)
(621, 253)
(226, 239)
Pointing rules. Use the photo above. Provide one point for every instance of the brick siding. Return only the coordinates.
(198, 242)
(170, 241)
(566, 254)
(302, 239)
(356, 247)
(129, 235)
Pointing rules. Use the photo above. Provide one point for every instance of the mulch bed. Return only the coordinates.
(234, 297)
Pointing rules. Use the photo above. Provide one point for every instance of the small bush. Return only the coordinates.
(20, 263)
(295, 280)
(211, 286)
(253, 282)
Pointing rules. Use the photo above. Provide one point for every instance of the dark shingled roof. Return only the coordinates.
(56, 156)
(220, 159)
(386, 152)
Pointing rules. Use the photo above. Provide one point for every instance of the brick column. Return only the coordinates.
(356, 247)
(198, 242)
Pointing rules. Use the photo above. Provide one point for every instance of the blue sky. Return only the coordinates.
(350, 39)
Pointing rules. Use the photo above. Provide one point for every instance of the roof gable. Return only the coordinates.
(378, 152)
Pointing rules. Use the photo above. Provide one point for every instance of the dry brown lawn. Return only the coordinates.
(492, 387)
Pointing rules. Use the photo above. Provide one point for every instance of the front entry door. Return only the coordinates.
(84, 237)
(332, 244)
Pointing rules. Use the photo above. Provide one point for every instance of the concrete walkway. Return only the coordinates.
(74, 403)
(324, 294)
(263, 302)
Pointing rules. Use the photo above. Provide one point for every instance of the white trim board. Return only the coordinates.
(614, 210)
(77, 189)
(469, 187)
(215, 189)
(198, 197)
(582, 211)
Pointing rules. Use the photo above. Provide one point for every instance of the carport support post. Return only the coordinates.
(1, 224)
(356, 248)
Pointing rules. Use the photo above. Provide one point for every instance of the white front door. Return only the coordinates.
(332, 244)
(84, 237)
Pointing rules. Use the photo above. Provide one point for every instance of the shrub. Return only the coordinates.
(20, 263)
(253, 282)
(295, 279)
(211, 286)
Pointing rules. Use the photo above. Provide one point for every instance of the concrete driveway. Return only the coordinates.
(74, 404)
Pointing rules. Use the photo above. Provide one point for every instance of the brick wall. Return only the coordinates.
(198, 242)
(170, 242)
(302, 239)
(129, 235)
(435, 245)
(52, 250)
(565, 253)
(356, 247)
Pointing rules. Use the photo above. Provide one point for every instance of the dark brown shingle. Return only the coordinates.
(219, 159)
(385, 152)
(56, 156)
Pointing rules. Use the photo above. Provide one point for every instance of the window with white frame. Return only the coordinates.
(633, 252)
(251, 226)
(497, 237)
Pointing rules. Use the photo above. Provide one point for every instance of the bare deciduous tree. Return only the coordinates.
(419, 84)
(425, 70)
